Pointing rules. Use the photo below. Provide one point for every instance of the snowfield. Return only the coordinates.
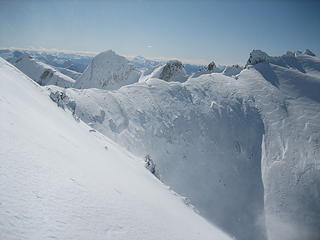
(59, 179)
(244, 150)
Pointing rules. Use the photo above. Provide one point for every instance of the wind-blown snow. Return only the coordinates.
(59, 179)
(108, 71)
(242, 149)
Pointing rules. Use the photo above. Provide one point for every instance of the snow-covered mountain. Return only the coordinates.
(211, 68)
(74, 62)
(172, 71)
(42, 73)
(108, 71)
(244, 151)
(144, 63)
(59, 179)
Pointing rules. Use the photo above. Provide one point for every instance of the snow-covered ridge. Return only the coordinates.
(288, 60)
(108, 71)
(62, 180)
(199, 127)
(42, 73)
(232, 70)
(241, 149)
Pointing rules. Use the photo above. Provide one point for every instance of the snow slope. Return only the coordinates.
(42, 73)
(70, 73)
(60, 180)
(108, 71)
(287, 90)
(244, 151)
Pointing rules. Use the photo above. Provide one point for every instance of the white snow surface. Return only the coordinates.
(108, 71)
(244, 151)
(42, 73)
(70, 73)
(61, 180)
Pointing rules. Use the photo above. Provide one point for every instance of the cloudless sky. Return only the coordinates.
(198, 31)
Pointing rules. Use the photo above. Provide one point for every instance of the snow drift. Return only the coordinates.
(60, 179)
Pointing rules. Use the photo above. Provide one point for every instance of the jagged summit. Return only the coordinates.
(172, 71)
(232, 70)
(295, 60)
(257, 56)
(108, 71)
(308, 52)
(211, 66)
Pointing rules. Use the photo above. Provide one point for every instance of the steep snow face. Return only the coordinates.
(60, 179)
(172, 71)
(204, 138)
(232, 70)
(108, 71)
(41, 72)
(290, 107)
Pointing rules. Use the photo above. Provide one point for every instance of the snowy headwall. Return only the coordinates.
(204, 139)
(244, 151)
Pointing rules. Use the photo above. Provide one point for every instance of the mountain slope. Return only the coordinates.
(60, 180)
(108, 71)
(42, 73)
(243, 150)
(206, 153)
(287, 92)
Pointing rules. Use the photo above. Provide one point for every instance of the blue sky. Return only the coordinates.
(194, 31)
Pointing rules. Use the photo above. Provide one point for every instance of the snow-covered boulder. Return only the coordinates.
(42, 73)
(108, 71)
(172, 71)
